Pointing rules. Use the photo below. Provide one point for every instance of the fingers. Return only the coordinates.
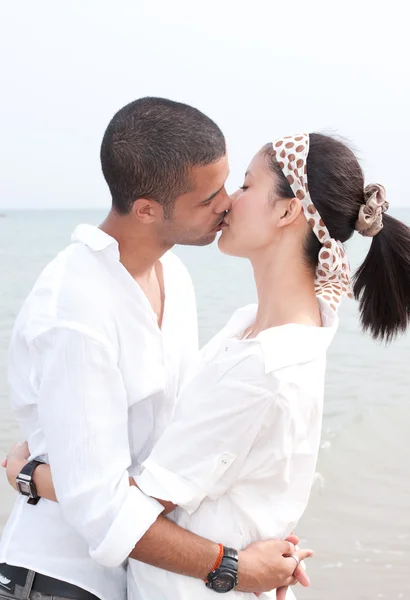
(281, 593)
(297, 570)
(22, 449)
(290, 581)
(293, 539)
(19, 451)
(301, 576)
(303, 554)
(288, 548)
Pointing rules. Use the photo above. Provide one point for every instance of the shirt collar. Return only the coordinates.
(290, 344)
(96, 239)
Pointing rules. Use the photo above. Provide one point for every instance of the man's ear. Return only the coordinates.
(290, 212)
(147, 211)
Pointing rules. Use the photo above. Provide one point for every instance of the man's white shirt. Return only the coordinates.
(93, 383)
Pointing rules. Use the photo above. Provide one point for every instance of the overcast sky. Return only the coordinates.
(261, 69)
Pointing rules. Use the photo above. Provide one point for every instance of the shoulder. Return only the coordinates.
(75, 272)
(238, 322)
(288, 355)
(72, 287)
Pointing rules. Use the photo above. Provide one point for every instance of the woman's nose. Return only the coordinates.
(235, 195)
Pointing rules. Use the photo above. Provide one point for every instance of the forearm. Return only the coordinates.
(171, 548)
(167, 546)
(43, 481)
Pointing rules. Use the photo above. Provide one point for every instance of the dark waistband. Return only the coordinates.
(44, 584)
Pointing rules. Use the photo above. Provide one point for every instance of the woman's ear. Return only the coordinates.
(290, 212)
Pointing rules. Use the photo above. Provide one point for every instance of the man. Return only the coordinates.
(97, 356)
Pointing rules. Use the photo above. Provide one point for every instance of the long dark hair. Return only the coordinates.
(336, 186)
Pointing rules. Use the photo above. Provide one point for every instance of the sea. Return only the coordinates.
(358, 519)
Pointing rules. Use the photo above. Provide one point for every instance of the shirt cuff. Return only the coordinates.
(159, 482)
(136, 516)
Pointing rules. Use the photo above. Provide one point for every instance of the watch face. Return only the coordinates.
(24, 488)
(223, 583)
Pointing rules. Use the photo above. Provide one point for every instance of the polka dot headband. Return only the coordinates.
(333, 270)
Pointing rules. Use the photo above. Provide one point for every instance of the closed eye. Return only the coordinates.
(208, 201)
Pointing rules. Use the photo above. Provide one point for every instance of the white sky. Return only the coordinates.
(260, 69)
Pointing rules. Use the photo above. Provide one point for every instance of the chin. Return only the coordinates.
(204, 241)
(224, 245)
(228, 245)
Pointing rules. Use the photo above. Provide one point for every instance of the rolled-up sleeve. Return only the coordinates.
(214, 428)
(83, 413)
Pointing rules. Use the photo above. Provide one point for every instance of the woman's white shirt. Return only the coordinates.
(240, 454)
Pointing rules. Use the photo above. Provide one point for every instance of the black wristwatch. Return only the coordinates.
(25, 483)
(224, 578)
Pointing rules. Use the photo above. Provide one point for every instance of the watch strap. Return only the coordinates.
(228, 564)
(26, 475)
(30, 467)
(230, 553)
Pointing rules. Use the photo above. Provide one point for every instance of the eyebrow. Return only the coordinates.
(212, 195)
(248, 173)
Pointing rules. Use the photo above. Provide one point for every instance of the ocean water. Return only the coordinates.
(358, 520)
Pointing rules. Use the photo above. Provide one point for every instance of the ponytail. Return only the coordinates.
(382, 282)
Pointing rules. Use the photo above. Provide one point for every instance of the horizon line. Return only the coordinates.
(100, 208)
(3, 210)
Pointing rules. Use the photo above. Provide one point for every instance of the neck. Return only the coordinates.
(139, 249)
(286, 292)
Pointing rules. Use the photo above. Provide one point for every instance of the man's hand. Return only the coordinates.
(15, 461)
(264, 566)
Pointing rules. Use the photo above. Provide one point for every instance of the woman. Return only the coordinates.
(238, 460)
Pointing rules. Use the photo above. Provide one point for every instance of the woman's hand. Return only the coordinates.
(15, 461)
(299, 574)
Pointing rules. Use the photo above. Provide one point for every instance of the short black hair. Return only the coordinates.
(149, 147)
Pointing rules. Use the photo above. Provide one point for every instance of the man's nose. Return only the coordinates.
(223, 203)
